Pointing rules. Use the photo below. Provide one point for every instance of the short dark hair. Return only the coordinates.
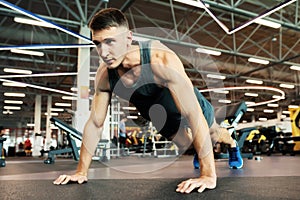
(106, 18)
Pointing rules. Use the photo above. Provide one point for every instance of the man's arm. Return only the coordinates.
(169, 70)
(91, 133)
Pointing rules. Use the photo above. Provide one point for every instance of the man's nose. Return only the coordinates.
(104, 51)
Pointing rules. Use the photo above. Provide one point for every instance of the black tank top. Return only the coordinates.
(145, 93)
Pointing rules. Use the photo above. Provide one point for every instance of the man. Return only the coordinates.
(152, 77)
(122, 131)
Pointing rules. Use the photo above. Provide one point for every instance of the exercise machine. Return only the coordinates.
(71, 135)
(2, 158)
(290, 144)
(228, 117)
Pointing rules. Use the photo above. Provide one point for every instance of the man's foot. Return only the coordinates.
(196, 161)
(235, 159)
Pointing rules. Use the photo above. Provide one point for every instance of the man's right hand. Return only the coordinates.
(64, 179)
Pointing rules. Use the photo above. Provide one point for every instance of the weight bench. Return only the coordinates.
(228, 117)
(2, 158)
(71, 134)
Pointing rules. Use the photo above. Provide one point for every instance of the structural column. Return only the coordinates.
(83, 84)
(48, 123)
(38, 139)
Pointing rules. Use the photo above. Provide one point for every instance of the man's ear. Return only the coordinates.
(129, 38)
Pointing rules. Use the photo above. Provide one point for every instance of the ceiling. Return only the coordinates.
(181, 27)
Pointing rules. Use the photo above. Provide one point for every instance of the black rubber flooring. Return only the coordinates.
(262, 188)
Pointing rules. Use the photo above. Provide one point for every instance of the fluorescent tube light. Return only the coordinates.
(30, 124)
(289, 86)
(294, 67)
(250, 109)
(208, 51)
(52, 114)
(7, 112)
(224, 101)
(248, 103)
(57, 109)
(12, 107)
(27, 52)
(132, 117)
(267, 23)
(254, 81)
(69, 98)
(17, 71)
(193, 3)
(13, 94)
(259, 61)
(274, 105)
(11, 84)
(251, 94)
(216, 76)
(13, 102)
(262, 119)
(221, 91)
(293, 106)
(63, 104)
(277, 97)
(286, 112)
(129, 108)
(33, 22)
(268, 111)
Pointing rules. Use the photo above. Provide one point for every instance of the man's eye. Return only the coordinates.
(96, 43)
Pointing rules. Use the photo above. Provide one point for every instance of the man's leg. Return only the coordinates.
(221, 135)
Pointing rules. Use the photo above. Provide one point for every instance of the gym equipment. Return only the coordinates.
(71, 133)
(290, 144)
(2, 158)
(233, 114)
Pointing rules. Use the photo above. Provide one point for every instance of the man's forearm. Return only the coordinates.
(84, 161)
(207, 165)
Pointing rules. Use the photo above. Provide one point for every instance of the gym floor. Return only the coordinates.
(268, 177)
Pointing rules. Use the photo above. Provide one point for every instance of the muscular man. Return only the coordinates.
(152, 77)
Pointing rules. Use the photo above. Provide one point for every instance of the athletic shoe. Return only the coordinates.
(196, 161)
(235, 159)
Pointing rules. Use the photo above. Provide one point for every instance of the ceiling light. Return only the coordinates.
(30, 124)
(69, 98)
(274, 105)
(294, 67)
(289, 86)
(74, 89)
(250, 109)
(283, 116)
(251, 94)
(268, 111)
(27, 52)
(193, 3)
(208, 51)
(12, 107)
(224, 101)
(13, 102)
(267, 23)
(52, 114)
(132, 117)
(12, 94)
(221, 91)
(262, 119)
(7, 112)
(17, 71)
(259, 61)
(12, 84)
(128, 108)
(216, 76)
(32, 22)
(286, 112)
(63, 104)
(254, 81)
(57, 109)
(293, 106)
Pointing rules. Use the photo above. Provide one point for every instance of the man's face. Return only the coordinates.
(112, 44)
